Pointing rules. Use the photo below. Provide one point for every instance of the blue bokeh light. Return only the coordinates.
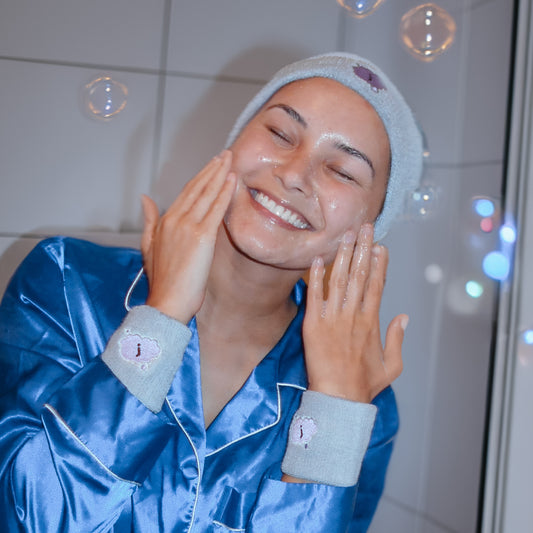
(496, 266)
(528, 336)
(508, 233)
(474, 289)
(484, 207)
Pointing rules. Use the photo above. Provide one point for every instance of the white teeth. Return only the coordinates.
(285, 214)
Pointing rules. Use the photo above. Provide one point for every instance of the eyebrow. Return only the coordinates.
(291, 112)
(350, 150)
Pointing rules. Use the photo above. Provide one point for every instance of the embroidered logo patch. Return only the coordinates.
(370, 77)
(139, 350)
(303, 428)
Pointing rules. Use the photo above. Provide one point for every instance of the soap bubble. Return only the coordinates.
(360, 8)
(422, 202)
(427, 31)
(105, 97)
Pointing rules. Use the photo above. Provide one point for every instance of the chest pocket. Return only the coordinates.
(233, 510)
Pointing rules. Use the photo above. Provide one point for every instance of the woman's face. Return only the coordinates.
(312, 164)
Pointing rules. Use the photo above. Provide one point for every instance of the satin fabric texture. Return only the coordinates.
(79, 453)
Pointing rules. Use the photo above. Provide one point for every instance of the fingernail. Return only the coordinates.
(376, 249)
(404, 321)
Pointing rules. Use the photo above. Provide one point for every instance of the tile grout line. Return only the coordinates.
(160, 103)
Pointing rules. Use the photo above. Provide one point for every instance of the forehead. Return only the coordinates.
(328, 98)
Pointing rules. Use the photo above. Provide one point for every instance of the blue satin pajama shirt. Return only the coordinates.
(79, 453)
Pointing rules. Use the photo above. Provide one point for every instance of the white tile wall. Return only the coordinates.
(392, 517)
(489, 60)
(186, 143)
(12, 252)
(59, 167)
(62, 172)
(246, 38)
(125, 33)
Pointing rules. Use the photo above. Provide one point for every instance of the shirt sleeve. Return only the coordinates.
(319, 508)
(74, 443)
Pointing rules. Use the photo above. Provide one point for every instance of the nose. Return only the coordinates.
(294, 171)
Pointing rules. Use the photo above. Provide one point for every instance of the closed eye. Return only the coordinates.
(343, 174)
(280, 135)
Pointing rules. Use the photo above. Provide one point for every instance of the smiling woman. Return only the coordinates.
(230, 396)
(300, 156)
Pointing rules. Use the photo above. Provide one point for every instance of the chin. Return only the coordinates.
(264, 248)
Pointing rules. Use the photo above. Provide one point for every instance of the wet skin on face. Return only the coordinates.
(311, 164)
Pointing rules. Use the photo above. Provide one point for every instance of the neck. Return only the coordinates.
(243, 295)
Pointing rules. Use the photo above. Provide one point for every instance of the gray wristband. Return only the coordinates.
(145, 352)
(328, 439)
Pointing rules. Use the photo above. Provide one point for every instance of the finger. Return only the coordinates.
(214, 192)
(219, 206)
(194, 189)
(360, 266)
(315, 289)
(392, 357)
(151, 218)
(338, 281)
(375, 284)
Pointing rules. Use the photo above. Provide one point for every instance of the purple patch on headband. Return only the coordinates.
(367, 75)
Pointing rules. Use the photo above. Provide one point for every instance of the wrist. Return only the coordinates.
(169, 309)
(328, 439)
(348, 393)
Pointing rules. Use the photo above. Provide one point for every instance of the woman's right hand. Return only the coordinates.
(178, 246)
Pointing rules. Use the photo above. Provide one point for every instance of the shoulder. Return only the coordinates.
(58, 253)
(78, 284)
(55, 262)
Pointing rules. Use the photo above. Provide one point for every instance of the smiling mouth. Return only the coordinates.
(285, 214)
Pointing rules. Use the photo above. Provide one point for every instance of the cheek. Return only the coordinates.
(344, 212)
(250, 152)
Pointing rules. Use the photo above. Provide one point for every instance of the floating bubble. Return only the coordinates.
(474, 289)
(360, 8)
(422, 202)
(427, 31)
(105, 97)
(496, 265)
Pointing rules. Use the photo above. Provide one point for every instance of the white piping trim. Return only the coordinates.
(216, 522)
(66, 426)
(278, 418)
(197, 465)
(132, 288)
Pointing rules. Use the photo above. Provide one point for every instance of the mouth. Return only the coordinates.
(290, 217)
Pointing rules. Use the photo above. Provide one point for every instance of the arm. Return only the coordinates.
(76, 441)
(347, 368)
(65, 426)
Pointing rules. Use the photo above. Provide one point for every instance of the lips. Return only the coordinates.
(288, 216)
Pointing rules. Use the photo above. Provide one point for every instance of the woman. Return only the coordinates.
(220, 402)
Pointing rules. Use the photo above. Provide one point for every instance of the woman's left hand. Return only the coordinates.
(343, 350)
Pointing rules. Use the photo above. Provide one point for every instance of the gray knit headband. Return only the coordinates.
(360, 75)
